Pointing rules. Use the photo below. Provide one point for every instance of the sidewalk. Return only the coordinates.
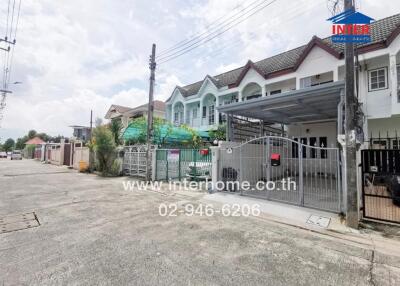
(294, 216)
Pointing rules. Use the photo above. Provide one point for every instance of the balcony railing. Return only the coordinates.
(205, 121)
(193, 122)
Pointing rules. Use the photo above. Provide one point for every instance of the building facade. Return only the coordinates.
(205, 104)
(126, 114)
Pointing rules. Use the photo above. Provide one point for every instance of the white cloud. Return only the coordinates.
(224, 68)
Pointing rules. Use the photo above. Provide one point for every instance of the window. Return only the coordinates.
(377, 79)
(295, 148)
(181, 117)
(303, 141)
(323, 143)
(313, 151)
(176, 117)
(379, 144)
(253, 96)
(395, 144)
(194, 113)
(275, 92)
(305, 82)
(211, 115)
(204, 115)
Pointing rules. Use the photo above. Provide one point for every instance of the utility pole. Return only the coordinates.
(152, 66)
(91, 157)
(351, 152)
(91, 125)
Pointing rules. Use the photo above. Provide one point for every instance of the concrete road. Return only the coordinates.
(93, 232)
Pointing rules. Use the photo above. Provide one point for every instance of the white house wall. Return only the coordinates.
(326, 129)
(384, 127)
(318, 61)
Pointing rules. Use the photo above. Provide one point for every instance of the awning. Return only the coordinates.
(162, 134)
(303, 105)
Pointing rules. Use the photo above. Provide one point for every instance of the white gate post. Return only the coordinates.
(215, 152)
(154, 164)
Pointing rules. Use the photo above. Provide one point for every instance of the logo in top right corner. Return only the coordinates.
(351, 27)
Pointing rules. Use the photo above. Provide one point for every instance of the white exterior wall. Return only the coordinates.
(327, 129)
(387, 126)
(376, 104)
(318, 61)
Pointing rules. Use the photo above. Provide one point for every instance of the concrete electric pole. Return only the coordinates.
(152, 66)
(350, 111)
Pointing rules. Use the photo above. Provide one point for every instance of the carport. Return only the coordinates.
(314, 168)
(316, 103)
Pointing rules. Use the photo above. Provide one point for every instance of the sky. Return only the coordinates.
(73, 56)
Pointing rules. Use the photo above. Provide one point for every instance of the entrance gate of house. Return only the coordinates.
(281, 169)
(135, 160)
(381, 184)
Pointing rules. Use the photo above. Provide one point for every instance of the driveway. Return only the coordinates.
(93, 232)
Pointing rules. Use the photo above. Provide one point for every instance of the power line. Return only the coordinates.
(217, 32)
(201, 42)
(15, 37)
(233, 41)
(8, 59)
(195, 36)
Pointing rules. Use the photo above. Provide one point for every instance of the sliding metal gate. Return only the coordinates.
(178, 164)
(282, 169)
(135, 160)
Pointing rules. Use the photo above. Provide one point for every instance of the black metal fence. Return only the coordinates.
(381, 184)
(384, 140)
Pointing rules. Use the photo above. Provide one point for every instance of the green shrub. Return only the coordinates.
(104, 147)
(115, 167)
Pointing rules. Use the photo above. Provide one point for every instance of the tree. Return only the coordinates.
(32, 134)
(44, 136)
(8, 145)
(116, 127)
(20, 144)
(104, 146)
(218, 134)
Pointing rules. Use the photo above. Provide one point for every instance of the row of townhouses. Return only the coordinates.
(301, 88)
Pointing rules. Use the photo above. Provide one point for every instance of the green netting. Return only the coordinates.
(162, 134)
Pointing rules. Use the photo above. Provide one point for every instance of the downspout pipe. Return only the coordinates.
(340, 113)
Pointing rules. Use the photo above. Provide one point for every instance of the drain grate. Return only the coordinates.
(18, 222)
(319, 221)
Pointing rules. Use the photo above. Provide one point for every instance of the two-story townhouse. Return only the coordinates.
(126, 114)
(302, 89)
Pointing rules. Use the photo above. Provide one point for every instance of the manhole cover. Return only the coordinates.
(319, 221)
(18, 222)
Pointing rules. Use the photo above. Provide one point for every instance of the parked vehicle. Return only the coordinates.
(16, 155)
(3, 154)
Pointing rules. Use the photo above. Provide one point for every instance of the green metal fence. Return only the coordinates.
(194, 164)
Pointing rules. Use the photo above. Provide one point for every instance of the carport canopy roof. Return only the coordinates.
(308, 104)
